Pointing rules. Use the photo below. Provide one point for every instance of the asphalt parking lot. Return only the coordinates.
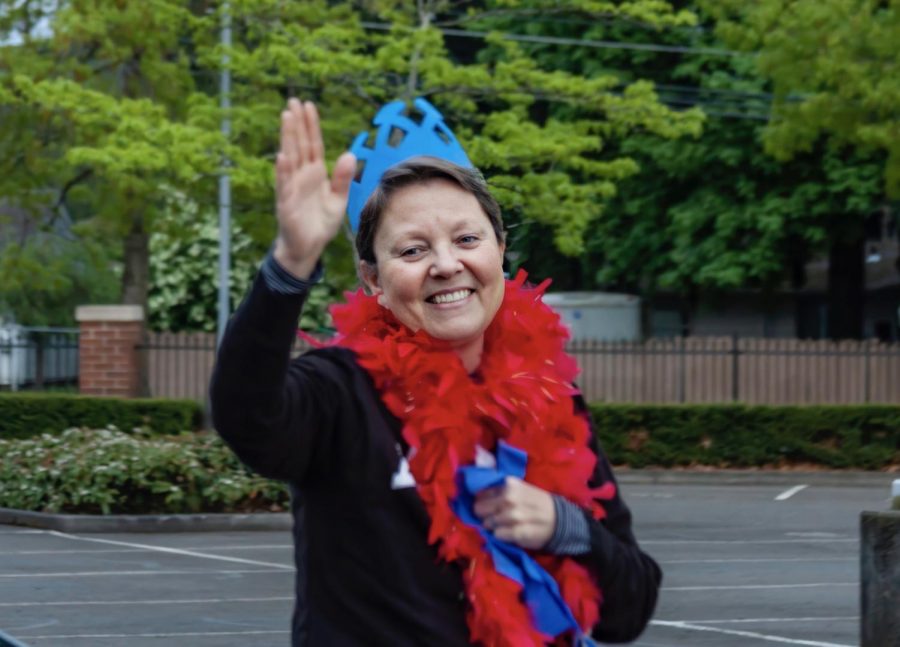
(745, 565)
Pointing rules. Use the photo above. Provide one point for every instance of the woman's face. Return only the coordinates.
(439, 265)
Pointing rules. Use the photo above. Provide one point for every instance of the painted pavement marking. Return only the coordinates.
(260, 632)
(764, 560)
(82, 603)
(104, 551)
(746, 634)
(130, 573)
(672, 542)
(749, 587)
(787, 494)
(174, 551)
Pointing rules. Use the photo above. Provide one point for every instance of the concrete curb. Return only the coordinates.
(90, 523)
(281, 521)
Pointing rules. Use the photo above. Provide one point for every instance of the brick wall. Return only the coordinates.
(108, 360)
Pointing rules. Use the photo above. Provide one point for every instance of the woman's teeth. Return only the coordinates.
(450, 297)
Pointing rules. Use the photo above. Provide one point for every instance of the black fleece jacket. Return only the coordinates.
(366, 575)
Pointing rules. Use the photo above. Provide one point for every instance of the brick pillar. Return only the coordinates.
(108, 363)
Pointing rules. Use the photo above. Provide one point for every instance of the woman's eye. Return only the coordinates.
(468, 239)
(410, 251)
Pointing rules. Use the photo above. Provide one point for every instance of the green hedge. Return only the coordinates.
(108, 471)
(23, 415)
(839, 437)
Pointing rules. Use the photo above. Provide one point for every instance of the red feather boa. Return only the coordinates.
(524, 396)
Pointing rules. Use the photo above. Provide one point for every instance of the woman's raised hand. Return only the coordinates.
(309, 206)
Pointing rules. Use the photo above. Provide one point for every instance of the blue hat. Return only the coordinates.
(431, 137)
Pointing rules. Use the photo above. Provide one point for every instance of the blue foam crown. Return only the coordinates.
(398, 139)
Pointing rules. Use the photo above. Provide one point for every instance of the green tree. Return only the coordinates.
(834, 67)
(109, 110)
(184, 265)
(121, 99)
(352, 60)
(48, 274)
(710, 213)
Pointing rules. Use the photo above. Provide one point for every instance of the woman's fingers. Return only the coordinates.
(488, 503)
(344, 170)
(283, 168)
(300, 133)
(314, 130)
(519, 513)
(288, 145)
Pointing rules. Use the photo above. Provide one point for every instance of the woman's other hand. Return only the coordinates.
(309, 206)
(518, 512)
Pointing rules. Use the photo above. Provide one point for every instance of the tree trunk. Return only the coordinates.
(846, 288)
(135, 284)
(135, 278)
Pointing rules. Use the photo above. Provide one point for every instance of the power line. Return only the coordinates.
(576, 42)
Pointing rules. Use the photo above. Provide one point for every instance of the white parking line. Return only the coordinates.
(673, 542)
(764, 560)
(746, 634)
(22, 532)
(768, 620)
(174, 551)
(100, 603)
(156, 635)
(750, 587)
(787, 494)
(130, 573)
(104, 551)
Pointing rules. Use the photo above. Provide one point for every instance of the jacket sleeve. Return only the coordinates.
(628, 577)
(274, 412)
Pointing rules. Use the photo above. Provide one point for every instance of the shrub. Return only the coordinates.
(107, 471)
(29, 414)
(858, 437)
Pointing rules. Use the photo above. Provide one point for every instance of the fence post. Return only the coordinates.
(39, 362)
(866, 378)
(735, 387)
(682, 371)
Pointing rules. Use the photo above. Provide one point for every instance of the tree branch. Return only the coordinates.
(60, 201)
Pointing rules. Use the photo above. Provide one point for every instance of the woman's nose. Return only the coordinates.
(445, 261)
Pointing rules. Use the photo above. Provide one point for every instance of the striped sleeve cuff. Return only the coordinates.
(572, 535)
(280, 280)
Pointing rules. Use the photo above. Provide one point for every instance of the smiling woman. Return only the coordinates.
(447, 486)
(437, 263)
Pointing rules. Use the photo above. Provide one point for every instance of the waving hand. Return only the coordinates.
(310, 206)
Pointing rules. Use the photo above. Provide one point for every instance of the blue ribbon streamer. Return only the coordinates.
(549, 610)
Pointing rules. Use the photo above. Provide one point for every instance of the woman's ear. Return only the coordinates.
(368, 274)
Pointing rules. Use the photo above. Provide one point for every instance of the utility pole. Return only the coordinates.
(224, 177)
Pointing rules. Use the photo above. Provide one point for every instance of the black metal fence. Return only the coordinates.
(38, 358)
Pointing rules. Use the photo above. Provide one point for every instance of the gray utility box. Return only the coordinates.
(880, 575)
(601, 316)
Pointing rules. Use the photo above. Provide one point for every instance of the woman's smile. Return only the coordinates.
(451, 298)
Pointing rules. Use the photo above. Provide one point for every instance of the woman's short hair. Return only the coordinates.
(413, 171)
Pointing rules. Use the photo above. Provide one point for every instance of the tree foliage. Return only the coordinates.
(120, 99)
(834, 66)
(46, 276)
(710, 213)
(107, 98)
(184, 264)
